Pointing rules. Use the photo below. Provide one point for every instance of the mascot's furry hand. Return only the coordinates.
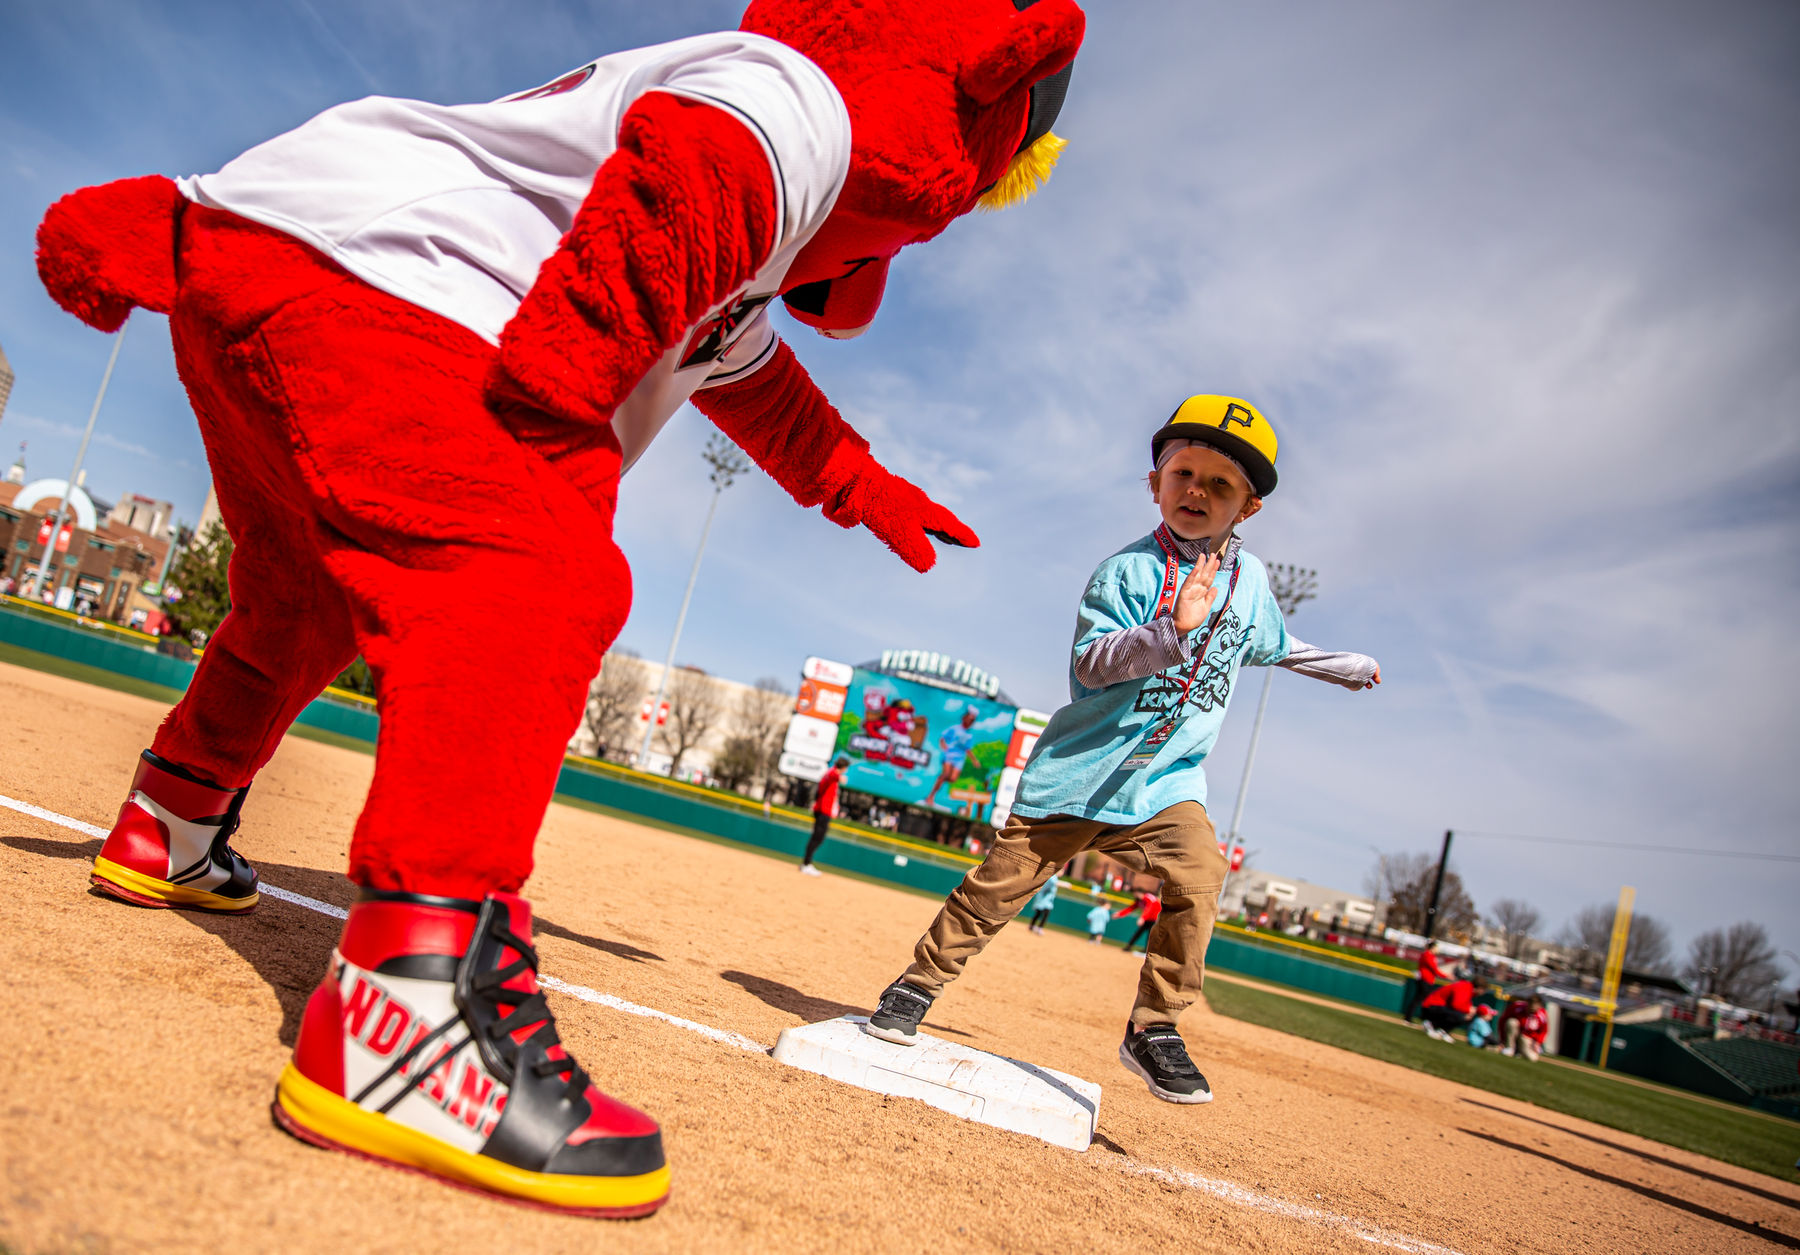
(781, 419)
(900, 515)
(679, 217)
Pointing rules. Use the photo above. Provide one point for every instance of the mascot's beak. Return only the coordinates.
(841, 308)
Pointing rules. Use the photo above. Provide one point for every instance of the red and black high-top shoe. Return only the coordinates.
(430, 1047)
(169, 846)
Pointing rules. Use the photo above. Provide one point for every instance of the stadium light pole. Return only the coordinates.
(727, 464)
(62, 510)
(1291, 586)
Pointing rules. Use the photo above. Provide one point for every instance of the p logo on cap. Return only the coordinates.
(1231, 425)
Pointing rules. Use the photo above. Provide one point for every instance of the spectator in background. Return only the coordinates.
(1147, 907)
(1449, 1008)
(1481, 1028)
(1524, 1027)
(825, 809)
(1042, 901)
(1098, 917)
(1430, 976)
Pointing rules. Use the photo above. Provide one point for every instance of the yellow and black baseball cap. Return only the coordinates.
(1232, 426)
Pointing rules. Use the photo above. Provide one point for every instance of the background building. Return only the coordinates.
(97, 566)
(1254, 891)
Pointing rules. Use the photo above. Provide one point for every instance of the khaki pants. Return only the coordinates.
(1176, 844)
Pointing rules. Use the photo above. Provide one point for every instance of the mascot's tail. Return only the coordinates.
(104, 250)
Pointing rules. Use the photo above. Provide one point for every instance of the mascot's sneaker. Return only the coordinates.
(169, 844)
(429, 1046)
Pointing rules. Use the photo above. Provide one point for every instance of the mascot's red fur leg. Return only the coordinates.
(420, 520)
(289, 632)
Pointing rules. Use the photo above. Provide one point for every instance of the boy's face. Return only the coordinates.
(1201, 493)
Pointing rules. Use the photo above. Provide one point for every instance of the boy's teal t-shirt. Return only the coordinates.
(1077, 766)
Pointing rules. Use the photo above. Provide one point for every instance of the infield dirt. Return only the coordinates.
(142, 1049)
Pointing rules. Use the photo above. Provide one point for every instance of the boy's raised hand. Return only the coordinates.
(1194, 602)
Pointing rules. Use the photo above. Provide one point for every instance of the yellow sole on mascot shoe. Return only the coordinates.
(170, 846)
(429, 1047)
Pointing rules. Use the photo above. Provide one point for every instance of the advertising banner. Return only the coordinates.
(62, 537)
(922, 745)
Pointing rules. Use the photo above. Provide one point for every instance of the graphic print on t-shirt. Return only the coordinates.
(1211, 687)
(712, 337)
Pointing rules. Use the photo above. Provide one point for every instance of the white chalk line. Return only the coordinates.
(617, 1003)
(1225, 1191)
(1246, 1197)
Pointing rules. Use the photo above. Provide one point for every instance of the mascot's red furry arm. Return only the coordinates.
(681, 216)
(781, 419)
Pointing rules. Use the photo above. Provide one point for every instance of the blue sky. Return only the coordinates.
(1518, 284)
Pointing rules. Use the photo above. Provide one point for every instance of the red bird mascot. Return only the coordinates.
(421, 339)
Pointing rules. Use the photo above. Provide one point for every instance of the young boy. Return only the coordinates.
(1119, 768)
(1097, 918)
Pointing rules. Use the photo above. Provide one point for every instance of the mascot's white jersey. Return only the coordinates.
(455, 207)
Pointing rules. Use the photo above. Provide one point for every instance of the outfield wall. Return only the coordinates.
(911, 865)
(142, 662)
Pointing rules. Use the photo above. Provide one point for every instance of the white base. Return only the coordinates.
(973, 1084)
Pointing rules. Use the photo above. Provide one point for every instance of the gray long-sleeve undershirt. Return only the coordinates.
(1136, 652)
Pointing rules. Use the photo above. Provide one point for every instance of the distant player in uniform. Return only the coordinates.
(954, 745)
(1157, 651)
(1524, 1027)
(1429, 978)
(825, 809)
(1098, 916)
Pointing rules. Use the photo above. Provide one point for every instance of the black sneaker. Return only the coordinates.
(897, 1018)
(1160, 1056)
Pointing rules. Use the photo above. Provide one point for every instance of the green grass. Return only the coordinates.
(88, 675)
(1749, 1139)
(53, 665)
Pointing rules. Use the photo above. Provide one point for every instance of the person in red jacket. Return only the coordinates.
(1148, 908)
(1449, 1008)
(1524, 1027)
(825, 809)
(1430, 976)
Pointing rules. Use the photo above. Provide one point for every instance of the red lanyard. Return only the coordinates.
(1166, 603)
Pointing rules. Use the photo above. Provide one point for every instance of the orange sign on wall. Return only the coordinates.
(821, 699)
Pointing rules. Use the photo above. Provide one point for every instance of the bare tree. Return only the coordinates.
(1403, 883)
(738, 762)
(1649, 948)
(1516, 920)
(695, 707)
(1589, 937)
(761, 720)
(1736, 963)
(615, 700)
